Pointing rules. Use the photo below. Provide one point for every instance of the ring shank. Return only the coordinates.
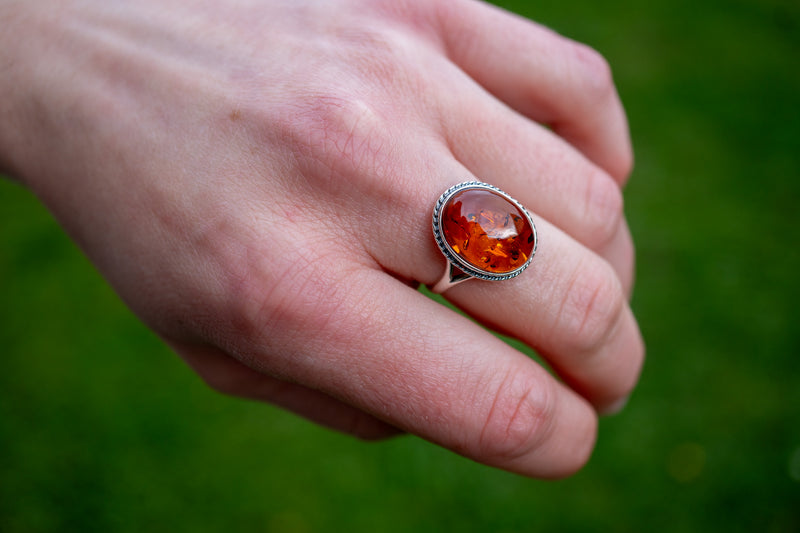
(451, 277)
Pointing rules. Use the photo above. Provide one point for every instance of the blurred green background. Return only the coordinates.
(103, 429)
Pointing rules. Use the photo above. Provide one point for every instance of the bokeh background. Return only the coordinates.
(103, 429)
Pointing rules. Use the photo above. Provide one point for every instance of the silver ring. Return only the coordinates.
(483, 233)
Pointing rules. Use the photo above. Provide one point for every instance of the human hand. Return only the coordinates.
(256, 180)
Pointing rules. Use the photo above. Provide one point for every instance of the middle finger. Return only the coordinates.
(548, 175)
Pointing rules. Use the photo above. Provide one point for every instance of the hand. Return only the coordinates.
(256, 180)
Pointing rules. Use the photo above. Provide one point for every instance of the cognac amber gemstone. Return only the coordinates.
(487, 231)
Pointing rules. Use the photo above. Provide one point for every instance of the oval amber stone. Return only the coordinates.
(487, 231)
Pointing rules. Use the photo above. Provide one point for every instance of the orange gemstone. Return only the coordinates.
(487, 231)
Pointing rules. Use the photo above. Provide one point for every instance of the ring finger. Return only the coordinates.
(546, 173)
(569, 305)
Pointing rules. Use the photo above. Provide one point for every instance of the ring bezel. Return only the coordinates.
(457, 261)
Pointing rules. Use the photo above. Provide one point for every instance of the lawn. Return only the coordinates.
(102, 428)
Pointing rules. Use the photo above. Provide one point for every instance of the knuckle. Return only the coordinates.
(518, 421)
(264, 300)
(340, 133)
(252, 296)
(376, 54)
(593, 307)
(594, 72)
(274, 317)
(337, 136)
(604, 209)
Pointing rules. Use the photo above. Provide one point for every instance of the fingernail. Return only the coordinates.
(615, 407)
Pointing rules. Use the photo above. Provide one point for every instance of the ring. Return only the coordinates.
(483, 233)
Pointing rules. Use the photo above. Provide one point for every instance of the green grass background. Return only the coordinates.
(103, 429)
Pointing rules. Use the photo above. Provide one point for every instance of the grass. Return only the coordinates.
(103, 429)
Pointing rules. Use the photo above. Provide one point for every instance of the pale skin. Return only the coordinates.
(256, 179)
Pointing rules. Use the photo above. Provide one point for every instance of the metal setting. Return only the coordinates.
(457, 268)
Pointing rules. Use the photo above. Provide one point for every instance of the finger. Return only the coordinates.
(551, 177)
(228, 376)
(542, 75)
(570, 305)
(390, 351)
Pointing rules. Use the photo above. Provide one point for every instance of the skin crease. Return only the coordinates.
(255, 179)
